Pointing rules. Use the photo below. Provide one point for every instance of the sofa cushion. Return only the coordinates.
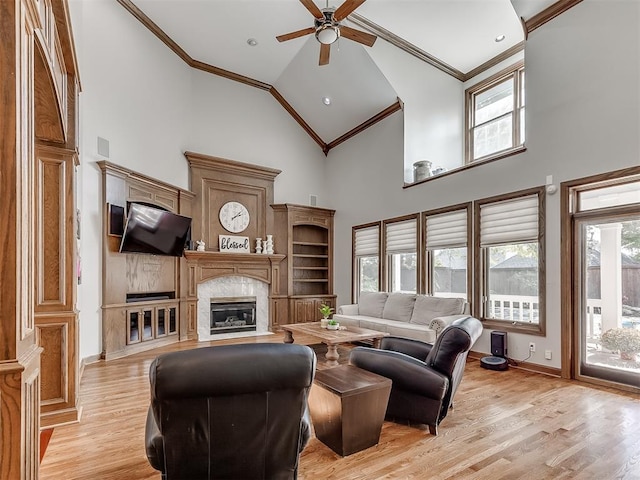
(427, 308)
(377, 324)
(408, 330)
(371, 304)
(399, 306)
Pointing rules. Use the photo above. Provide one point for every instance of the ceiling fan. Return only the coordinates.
(327, 27)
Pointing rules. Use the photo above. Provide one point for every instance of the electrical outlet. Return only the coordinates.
(532, 347)
(547, 354)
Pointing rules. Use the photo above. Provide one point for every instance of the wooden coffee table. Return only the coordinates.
(332, 338)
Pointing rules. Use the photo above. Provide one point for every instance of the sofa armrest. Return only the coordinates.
(439, 323)
(305, 428)
(154, 443)
(407, 373)
(348, 309)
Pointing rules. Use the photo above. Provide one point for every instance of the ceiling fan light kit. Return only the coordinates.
(327, 34)
(327, 27)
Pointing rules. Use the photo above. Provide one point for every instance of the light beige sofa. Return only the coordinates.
(420, 317)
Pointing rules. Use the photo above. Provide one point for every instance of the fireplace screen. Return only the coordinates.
(237, 314)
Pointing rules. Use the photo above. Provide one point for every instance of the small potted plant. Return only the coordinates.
(326, 311)
(623, 340)
(333, 325)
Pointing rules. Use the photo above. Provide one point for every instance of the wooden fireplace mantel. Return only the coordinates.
(203, 266)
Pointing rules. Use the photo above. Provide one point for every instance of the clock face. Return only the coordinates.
(234, 217)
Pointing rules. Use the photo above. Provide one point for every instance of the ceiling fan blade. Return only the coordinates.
(296, 34)
(324, 54)
(313, 8)
(346, 8)
(358, 36)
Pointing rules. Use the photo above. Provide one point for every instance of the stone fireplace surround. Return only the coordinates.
(232, 286)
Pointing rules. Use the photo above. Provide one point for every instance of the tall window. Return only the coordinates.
(401, 247)
(446, 253)
(511, 256)
(366, 241)
(495, 115)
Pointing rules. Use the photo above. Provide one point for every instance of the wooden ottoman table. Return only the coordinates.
(348, 406)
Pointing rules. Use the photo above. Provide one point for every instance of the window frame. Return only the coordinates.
(355, 270)
(516, 72)
(385, 280)
(428, 261)
(480, 255)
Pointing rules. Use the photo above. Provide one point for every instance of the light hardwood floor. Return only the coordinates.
(506, 425)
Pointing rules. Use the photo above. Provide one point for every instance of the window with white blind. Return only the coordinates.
(447, 239)
(366, 256)
(401, 249)
(511, 254)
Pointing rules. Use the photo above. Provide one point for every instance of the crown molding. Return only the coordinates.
(402, 44)
(518, 47)
(155, 29)
(305, 126)
(549, 14)
(364, 125)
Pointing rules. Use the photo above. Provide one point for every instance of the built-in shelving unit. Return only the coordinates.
(308, 233)
(143, 306)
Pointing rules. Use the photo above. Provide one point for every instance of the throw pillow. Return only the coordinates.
(399, 307)
(427, 308)
(371, 304)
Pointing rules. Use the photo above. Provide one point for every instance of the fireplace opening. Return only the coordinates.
(233, 314)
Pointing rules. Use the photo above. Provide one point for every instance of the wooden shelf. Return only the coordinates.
(309, 272)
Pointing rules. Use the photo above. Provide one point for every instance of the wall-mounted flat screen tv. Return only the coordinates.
(155, 231)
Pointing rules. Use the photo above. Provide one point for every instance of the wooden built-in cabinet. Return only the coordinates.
(306, 235)
(151, 321)
(144, 305)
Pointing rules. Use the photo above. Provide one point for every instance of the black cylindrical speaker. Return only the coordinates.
(499, 344)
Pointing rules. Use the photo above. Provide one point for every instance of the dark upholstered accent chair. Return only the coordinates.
(232, 412)
(425, 377)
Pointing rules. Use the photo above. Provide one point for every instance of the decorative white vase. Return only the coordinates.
(258, 245)
(268, 245)
(324, 322)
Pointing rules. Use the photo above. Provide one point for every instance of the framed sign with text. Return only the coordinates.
(234, 243)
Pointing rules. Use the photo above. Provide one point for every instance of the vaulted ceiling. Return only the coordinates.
(457, 36)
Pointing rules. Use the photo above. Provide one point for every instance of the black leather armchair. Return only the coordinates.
(230, 412)
(425, 377)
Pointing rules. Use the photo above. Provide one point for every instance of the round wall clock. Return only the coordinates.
(234, 217)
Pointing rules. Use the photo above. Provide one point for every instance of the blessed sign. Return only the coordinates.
(233, 243)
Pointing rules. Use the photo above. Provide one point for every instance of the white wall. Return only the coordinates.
(433, 108)
(151, 108)
(231, 120)
(583, 118)
(135, 97)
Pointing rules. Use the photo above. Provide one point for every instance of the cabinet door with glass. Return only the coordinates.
(140, 325)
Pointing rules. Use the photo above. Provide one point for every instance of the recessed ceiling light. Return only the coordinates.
(252, 42)
(500, 38)
(326, 101)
